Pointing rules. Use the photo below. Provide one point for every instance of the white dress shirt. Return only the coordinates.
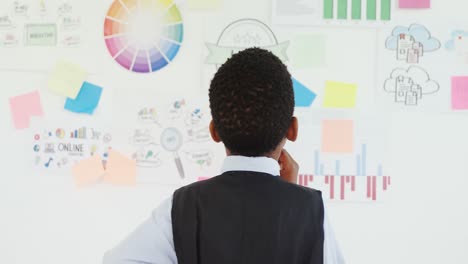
(152, 242)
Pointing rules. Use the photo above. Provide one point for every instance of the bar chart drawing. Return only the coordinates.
(357, 10)
(336, 185)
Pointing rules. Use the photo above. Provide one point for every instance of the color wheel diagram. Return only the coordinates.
(143, 35)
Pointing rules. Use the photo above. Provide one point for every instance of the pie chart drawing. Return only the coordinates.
(143, 35)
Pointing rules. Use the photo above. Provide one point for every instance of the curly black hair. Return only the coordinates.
(252, 102)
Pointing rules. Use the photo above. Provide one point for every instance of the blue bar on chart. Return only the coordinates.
(358, 165)
(380, 170)
(337, 168)
(317, 162)
(363, 160)
(322, 169)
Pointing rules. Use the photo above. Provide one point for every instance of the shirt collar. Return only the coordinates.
(256, 164)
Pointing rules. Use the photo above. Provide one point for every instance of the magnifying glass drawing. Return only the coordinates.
(171, 140)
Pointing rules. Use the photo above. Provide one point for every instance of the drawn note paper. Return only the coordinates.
(340, 95)
(415, 4)
(88, 171)
(67, 79)
(308, 51)
(23, 107)
(337, 136)
(460, 93)
(203, 4)
(303, 96)
(120, 170)
(86, 101)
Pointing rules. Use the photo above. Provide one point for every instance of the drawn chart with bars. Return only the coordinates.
(345, 157)
(369, 11)
(362, 184)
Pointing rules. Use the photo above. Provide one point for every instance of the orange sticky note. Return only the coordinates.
(88, 171)
(337, 136)
(23, 107)
(120, 170)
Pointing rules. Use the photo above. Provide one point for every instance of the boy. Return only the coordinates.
(247, 214)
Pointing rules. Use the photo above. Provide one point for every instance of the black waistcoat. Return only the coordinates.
(247, 217)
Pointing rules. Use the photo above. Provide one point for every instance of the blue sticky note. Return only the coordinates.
(303, 96)
(86, 101)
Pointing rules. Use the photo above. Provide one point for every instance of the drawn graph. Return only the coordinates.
(357, 10)
(339, 184)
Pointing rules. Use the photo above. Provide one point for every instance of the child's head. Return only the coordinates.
(252, 104)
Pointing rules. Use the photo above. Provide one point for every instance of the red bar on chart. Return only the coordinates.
(388, 178)
(353, 183)
(332, 187)
(384, 181)
(347, 179)
(305, 181)
(374, 188)
(326, 179)
(368, 186)
(300, 180)
(311, 178)
(342, 188)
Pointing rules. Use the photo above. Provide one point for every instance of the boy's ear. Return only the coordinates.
(293, 130)
(214, 133)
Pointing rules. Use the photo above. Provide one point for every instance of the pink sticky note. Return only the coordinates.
(88, 171)
(460, 93)
(120, 170)
(337, 136)
(415, 4)
(23, 107)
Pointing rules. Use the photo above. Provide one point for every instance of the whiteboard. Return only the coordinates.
(419, 219)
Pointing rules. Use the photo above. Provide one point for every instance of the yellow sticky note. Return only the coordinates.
(337, 136)
(204, 4)
(340, 95)
(88, 171)
(120, 170)
(67, 79)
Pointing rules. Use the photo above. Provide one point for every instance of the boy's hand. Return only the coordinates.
(289, 167)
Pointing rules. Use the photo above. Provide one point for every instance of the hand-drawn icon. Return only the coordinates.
(70, 41)
(6, 22)
(80, 133)
(20, 8)
(149, 114)
(459, 44)
(176, 109)
(199, 135)
(107, 138)
(37, 137)
(60, 133)
(171, 140)
(64, 8)
(8, 40)
(243, 34)
(95, 134)
(49, 148)
(148, 156)
(70, 23)
(42, 8)
(411, 43)
(47, 164)
(142, 137)
(63, 162)
(37, 148)
(203, 158)
(409, 85)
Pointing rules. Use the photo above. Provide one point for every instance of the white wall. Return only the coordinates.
(44, 219)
